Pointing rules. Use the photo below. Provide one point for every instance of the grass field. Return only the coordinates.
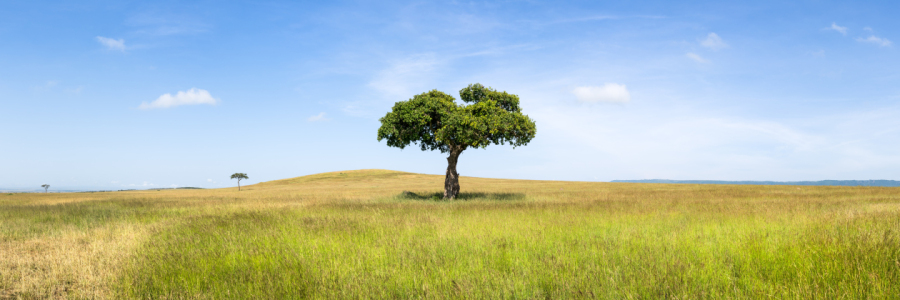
(355, 234)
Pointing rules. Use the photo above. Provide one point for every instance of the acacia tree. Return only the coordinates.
(45, 186)
(239, 176)
(434, 121)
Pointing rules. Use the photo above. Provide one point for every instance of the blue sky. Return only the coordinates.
(113, 95)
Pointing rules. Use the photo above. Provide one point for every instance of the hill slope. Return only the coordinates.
(355, 234)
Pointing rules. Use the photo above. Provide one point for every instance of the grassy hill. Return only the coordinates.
(356, 234)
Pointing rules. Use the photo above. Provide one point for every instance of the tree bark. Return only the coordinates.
(239, 185)
(451, 181)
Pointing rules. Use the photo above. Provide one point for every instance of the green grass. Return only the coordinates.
(359, 235)
(22, 222)
(493, 250)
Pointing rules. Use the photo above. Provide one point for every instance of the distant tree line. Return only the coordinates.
(882, 183)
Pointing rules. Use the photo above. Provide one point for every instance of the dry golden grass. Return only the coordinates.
(80, 264)
(535, 238)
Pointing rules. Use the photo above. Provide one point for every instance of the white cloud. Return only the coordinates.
(883, 42)
(112, 44)
(609, 92)
(317, 118)
(193, 96)
(835, 27)
(696, 58)
(713, 41)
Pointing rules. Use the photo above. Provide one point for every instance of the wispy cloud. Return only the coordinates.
(406, 76)
(50, 84)
(713, 41)
(835, 27)
(193, 96)
(112, 44)
(318, 118)
(75, 90)
(883, 42)
(696, 57)
(600, 18)
(167, 24)
(609, 92)
(585, 19)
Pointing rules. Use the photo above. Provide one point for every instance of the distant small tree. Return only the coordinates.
(45, 186)
(239, 176)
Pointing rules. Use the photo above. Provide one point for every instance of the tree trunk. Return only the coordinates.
(451, 182)
(239, 185)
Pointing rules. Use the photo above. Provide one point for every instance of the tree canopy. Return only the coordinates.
(434, 121)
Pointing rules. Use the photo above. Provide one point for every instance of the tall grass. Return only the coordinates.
(357, 234)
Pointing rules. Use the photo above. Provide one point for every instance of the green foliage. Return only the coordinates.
(434, 121)
(239, 176)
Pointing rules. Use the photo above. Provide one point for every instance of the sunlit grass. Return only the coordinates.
(382, 234)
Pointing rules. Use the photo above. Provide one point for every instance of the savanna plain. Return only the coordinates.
(386, 234)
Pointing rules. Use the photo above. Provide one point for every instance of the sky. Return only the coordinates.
(128, 94)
